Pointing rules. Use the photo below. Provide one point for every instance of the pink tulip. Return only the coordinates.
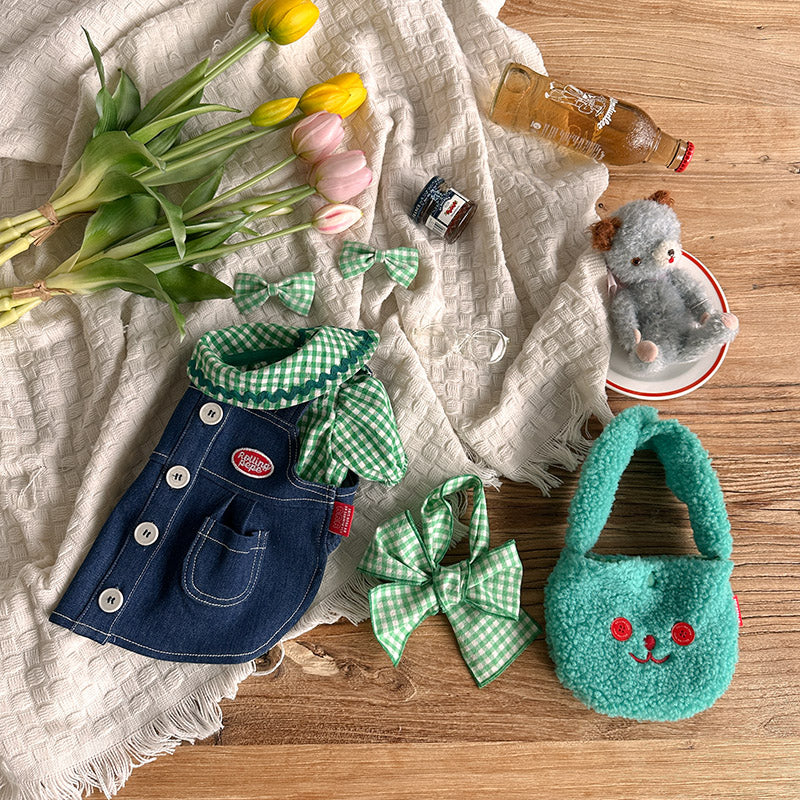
(341, 176)
(335, 218)
(317, 136)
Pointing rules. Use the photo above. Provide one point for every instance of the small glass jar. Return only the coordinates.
(442, 209)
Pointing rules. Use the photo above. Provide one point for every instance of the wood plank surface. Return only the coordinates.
(336, 720)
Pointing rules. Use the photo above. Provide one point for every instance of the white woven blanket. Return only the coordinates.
(88, 384)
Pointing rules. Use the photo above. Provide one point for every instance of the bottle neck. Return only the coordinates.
(671, 152)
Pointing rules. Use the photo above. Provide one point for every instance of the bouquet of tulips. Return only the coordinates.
(138, 239)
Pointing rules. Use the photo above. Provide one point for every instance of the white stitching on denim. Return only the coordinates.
(185, 494)
(258, 649)
(291, 473)
(267, 496)
(224, 601)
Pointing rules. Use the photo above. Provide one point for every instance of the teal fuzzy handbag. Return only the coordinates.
(644, 637)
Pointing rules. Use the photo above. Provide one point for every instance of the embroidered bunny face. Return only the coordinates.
(642, 637)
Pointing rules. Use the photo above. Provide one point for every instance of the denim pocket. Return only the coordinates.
(222, 566)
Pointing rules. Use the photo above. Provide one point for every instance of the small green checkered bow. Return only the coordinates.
(480, 596)
(401, 263)
(296, 292)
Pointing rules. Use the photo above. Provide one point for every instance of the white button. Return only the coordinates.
(110, 600)
(211, 413)
(145, 533)
(178, 477)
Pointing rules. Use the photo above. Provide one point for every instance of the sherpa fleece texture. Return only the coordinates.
(587, 592)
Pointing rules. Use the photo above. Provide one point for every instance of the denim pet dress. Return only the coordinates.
(219, 545)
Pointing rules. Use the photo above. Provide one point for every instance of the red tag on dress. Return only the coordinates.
(341, 519)
(738, 611)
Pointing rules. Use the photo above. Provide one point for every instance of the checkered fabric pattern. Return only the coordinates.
(480, 596)
(349, 424)
(401, 263)
(351, 428)
(296, 292)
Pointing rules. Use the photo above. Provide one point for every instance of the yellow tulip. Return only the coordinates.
(273, 111)
(351, 81)
(340, 95)
(285, 21)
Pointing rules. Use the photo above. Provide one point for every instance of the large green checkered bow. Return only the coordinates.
(296, 292)
(480, 596)
(401, 263)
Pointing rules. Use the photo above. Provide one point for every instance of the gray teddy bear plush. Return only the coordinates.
(659, 314)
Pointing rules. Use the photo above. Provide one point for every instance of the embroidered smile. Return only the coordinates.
(650, 657)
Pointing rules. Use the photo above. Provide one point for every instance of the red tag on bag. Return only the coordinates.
(341, 519)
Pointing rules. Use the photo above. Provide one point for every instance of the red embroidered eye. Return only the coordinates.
(682, 633)
(621, 629)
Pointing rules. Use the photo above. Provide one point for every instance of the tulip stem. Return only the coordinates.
(15, 248)
(12, 315)
(226, 61)
(192, 145)
(215, 201)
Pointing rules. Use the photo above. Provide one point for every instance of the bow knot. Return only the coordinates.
(401, 263)
(450, 585)
(296, 292)
(480, 595)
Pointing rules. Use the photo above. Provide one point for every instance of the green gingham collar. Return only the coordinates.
(262, 365)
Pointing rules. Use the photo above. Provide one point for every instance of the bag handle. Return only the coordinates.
(688, 470)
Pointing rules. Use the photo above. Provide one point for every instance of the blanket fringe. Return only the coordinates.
(195, 717)
(565, 450)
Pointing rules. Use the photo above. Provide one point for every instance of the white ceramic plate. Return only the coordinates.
(677, 379)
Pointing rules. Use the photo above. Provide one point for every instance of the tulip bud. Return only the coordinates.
(335, 218)
(317, 136)
(284, 21)
(351, 82)
(341, 176)
(273, 111)
(323, 97)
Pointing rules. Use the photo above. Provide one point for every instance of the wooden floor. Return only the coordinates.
(337, 721)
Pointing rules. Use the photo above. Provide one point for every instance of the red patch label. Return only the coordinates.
(252, 463)
(341, 519)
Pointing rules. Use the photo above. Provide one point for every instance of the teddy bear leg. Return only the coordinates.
(713, 334)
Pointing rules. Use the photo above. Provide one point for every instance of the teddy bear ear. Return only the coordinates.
(662, 196)
(603, 232)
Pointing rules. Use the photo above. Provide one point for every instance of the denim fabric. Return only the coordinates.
(237, 558)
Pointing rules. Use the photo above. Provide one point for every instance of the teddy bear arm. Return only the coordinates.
(625, 319)
(692, 294)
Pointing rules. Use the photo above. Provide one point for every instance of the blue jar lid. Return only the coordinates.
(424, 196)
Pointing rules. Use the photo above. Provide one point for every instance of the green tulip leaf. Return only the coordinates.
(170, 94)
(174, 217)
(116, 220)
(152, 129)
(98, 61)
(203, 193)
(106, 108)
(110, 151)
(186, 285)
(194, 169)
(130, 275)
(128, 102)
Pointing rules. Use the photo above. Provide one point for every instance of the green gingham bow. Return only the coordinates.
(296, 292)
(401, 262)
(480, 596)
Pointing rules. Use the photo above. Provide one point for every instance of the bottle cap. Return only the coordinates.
(687, 157)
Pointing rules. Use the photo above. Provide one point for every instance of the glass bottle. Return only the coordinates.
(596, 125)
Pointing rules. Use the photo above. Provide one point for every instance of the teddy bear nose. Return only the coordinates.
(670, 253)
(649, 642)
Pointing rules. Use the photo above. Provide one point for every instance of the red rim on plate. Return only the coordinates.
(677, 392)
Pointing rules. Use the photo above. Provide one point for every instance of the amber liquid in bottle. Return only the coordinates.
(596, 125)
